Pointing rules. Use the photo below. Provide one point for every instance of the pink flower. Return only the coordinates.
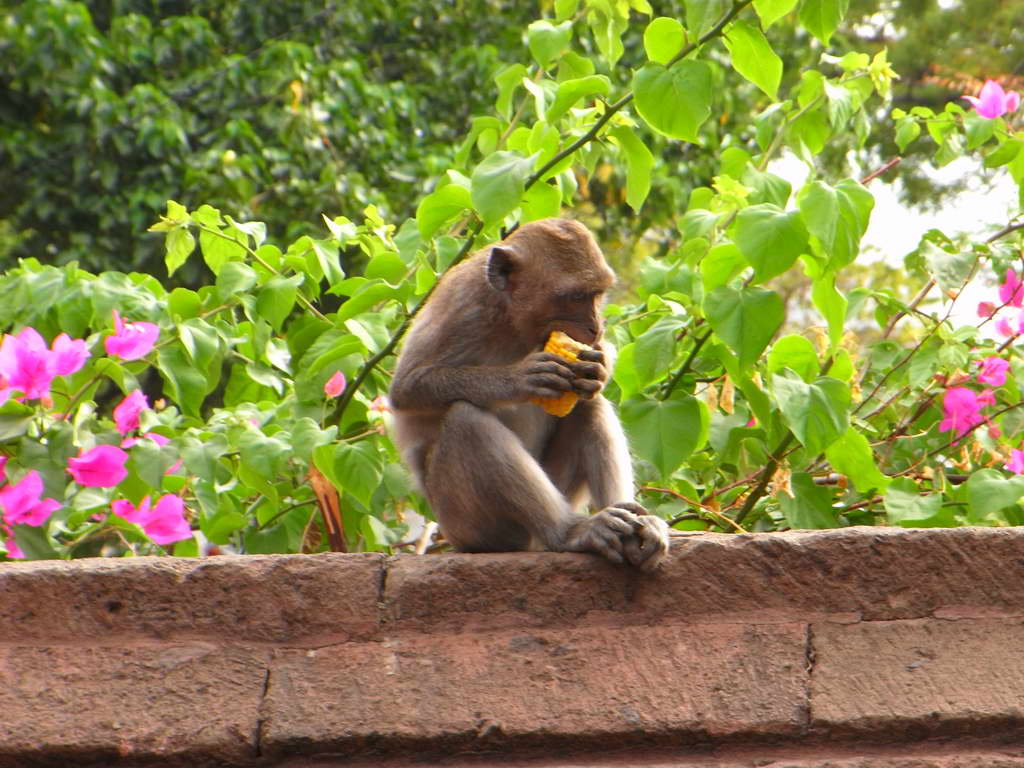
(987, 397)
(1012, 290)
(993, 101)
(1003, 327)
(1016, 462)
(986, 309)
(68, 355)
(21, 503)
(335, 385)
(126, 413)
(131, 340)
(164, 523)
(993, 371)
(26, 364)
(101, 467)
(380, 404)
(994, 432)
(13, 550)
(962, 411)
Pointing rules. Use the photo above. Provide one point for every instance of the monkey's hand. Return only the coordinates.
(542, 374)
(589, 373)
(619, 534)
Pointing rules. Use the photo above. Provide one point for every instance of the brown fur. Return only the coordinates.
(500, 474)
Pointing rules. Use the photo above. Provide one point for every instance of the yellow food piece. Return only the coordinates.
(569, 349)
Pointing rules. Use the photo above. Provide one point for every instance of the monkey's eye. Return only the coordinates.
(578, 297)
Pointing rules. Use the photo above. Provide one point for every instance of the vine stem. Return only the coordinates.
(766, 476)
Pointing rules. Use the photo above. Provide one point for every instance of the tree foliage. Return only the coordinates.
(739, 420)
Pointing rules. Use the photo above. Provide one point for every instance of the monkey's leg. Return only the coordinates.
(588, 455)
(490, 495)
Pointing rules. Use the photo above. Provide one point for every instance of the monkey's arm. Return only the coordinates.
(436, 385)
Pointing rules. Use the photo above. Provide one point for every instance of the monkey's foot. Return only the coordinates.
(621, 535)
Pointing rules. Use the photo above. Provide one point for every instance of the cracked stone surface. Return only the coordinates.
(856, 648)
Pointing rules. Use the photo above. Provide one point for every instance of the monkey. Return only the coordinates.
(499, 473)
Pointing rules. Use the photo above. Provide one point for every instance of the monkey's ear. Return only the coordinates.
(500, 265)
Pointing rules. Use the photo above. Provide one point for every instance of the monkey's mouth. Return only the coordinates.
(575, 332)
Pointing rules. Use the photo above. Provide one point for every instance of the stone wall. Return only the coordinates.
(849, 648)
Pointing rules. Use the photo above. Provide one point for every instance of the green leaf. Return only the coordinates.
(810, 506)
(655, 350)
(816, 413)
(770, 239)
(721, 265)
(989, 492)
(796, 353)
(771, 11)
(507, 80)
(547, 41)
(666, 432)
(541, 201)
(838, 216)
(355, 468)
(35, 543)
(234, 278)
(367, 296)
(950, 269)
(219, 249)
(183, 303)
(179, 244)
(277, 298)
(753, 57)
(186, 384)
(663, 39)
(702, 15)
(907, 130)
(571, 91)
(639, 162)
(905, 506)
(14, 419)
(851, 455)
(675, 101)
(832, 305)
(746, 320)
(822, 17)
(441, 206)
(498, 183)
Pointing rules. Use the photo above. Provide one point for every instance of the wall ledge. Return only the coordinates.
(905, 642)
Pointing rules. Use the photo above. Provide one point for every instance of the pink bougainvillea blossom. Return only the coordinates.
(993, 101)
(21, 502)
(13, 550)
(962, 411)
(100, 467)
(68, 355)
(986, 309)
(335, 385)
(126, 413)
(28, 366)
(993, 371)
(1003, 327)
(1012, 290)
(163, 522)
(131, 341)
(1016, 462)
(987, 397)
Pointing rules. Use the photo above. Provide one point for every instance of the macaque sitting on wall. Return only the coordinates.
(502, 474)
